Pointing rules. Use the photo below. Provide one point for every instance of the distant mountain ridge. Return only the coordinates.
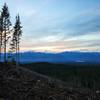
(63, 57)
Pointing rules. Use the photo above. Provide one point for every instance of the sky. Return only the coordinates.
(57, 25)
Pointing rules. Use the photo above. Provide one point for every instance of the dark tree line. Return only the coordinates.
(9, 36)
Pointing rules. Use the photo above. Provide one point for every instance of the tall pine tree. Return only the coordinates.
(6, 28)
(16, 38)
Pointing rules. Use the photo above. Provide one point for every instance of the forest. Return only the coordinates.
(78, 75)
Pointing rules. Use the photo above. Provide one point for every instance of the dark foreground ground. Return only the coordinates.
(22, 84)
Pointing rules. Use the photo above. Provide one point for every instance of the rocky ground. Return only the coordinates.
(17, 83)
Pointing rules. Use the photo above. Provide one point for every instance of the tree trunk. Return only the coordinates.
(18, 54)
(5, 54)
(0, 45)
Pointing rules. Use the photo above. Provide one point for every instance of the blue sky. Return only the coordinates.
(58, 25)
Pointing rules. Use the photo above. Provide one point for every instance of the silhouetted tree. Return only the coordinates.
(5, 27)
(16, 38)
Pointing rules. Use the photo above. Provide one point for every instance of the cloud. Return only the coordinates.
(82, 34)
(86, 42)
(85, 23)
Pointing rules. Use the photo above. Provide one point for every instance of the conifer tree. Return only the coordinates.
(16, 37)
(6, 28)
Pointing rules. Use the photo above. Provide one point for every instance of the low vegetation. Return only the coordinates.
(76, 74)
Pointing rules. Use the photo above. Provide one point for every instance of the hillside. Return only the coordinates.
(23, 84)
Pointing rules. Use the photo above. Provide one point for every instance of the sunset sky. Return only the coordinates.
(58, 25)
